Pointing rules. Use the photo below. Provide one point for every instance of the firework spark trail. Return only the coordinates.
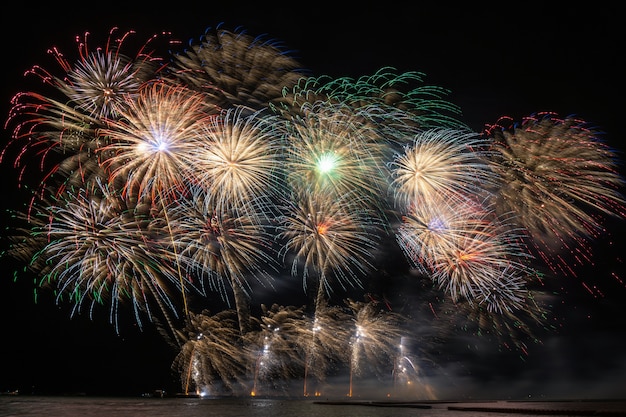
(239, 162)
(511, 328)
(212, 356)
(221, 248)
(382, 97)
(102, 78)
(329, 241)
(90, 247)
(47, 129)
(237, 69)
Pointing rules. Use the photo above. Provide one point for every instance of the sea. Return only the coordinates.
(84, 406)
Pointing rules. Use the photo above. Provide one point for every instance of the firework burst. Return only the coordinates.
(91, 248)
(236, 69)
(327, 239)
(224, 249)
(466, 251)
(240, 162)
(440, 162)
(333, 152)
(100, 82)
(95, 86)
(151, 148)
(559, 179)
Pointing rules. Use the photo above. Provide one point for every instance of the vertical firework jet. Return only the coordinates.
(274, 348)
(375, 335)
(323, 341)
(211, 358)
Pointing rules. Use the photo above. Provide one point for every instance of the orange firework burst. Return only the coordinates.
(328, 239)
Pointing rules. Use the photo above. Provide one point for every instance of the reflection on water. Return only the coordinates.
(41, 406)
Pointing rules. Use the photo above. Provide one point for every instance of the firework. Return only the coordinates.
(513, 326)
(327, 240)
(376, 333)
(274, 348)
(440, 163)
(212, 356)
(333, 152)
(407, 373)
(485, 265)
(559, 179)
(383, 97)
(95, 86)
(210, 174)
(91, 248)
(240, 162)
(101, 81)
(466, 250)
(224, 249)
(150, 148)
(323, 341)
(237, 69)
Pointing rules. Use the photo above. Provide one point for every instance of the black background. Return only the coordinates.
(516, 61)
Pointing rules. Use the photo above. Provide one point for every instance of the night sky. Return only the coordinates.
(495, 61)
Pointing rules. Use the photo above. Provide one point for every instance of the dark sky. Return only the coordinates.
(525, 59)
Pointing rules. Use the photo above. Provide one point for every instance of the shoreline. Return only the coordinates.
(613, 408)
